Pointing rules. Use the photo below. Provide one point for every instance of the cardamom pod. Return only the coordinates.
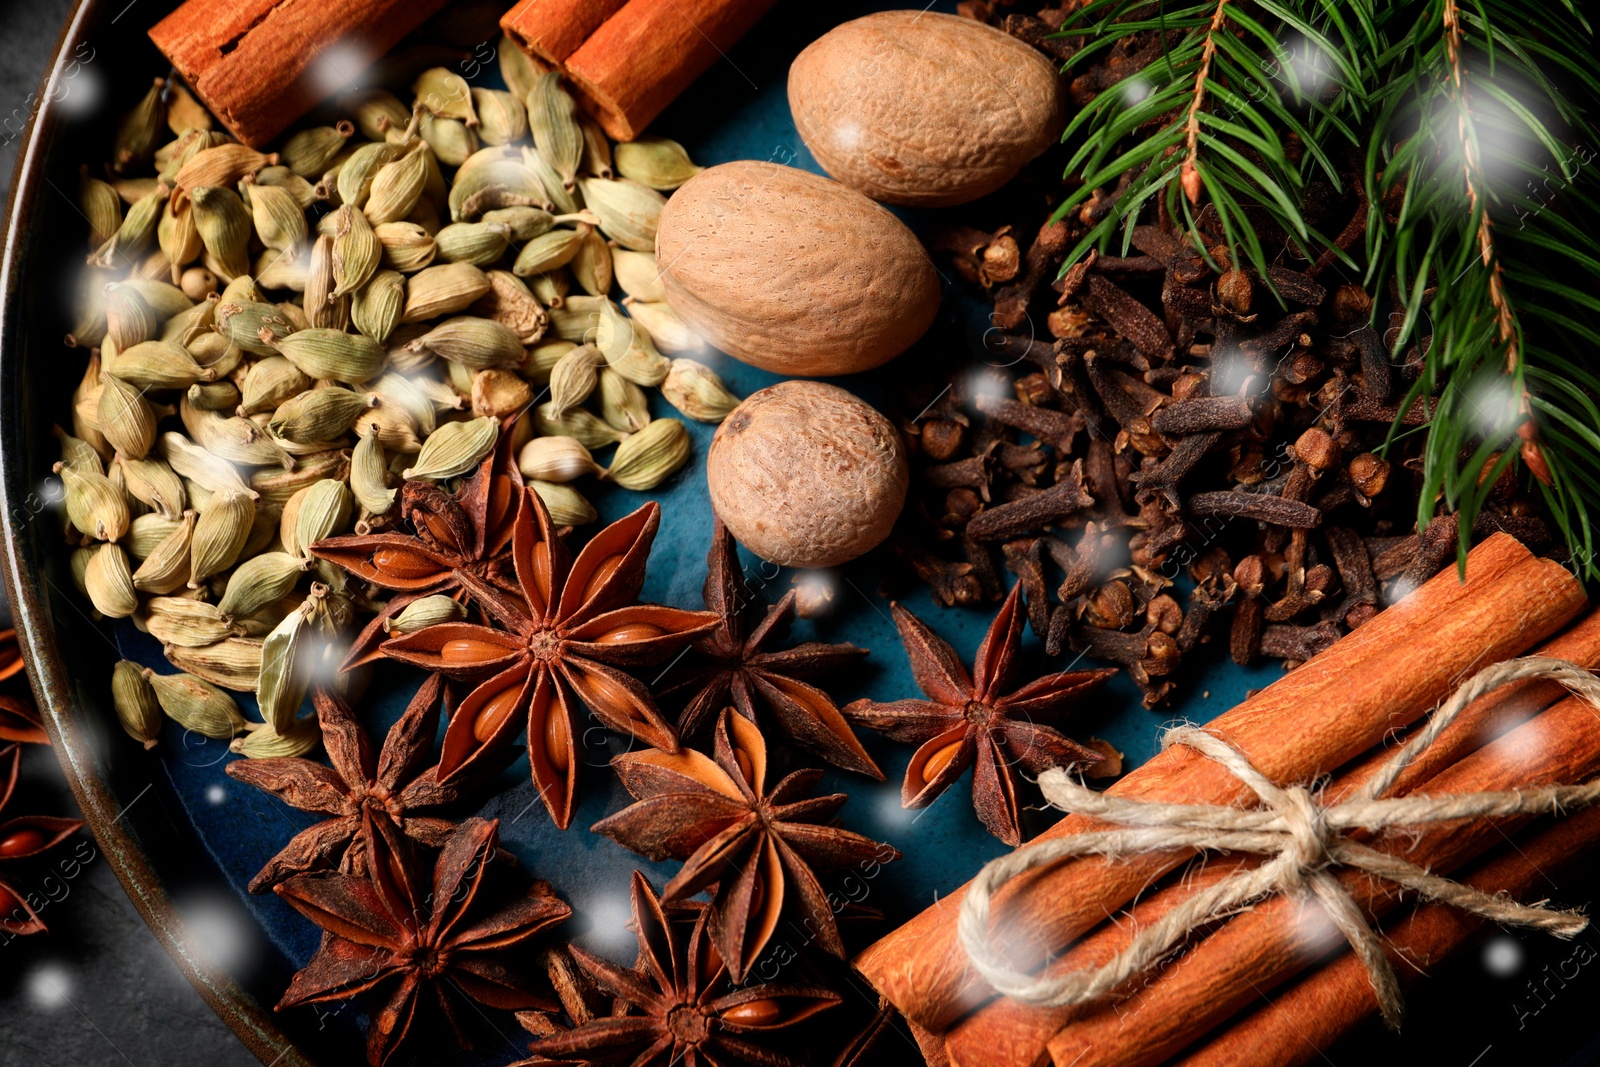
(587, 428)
(395, 429)
(233, 437)
(472, 342)
(622, 403)
(310, 151)
(264, 741)
(215, 396)
(276, 487)
(377, 308)
(195, 704)
(638, 274)
(165, 567)
(219, 165)
(191, 461)
(323, 510)
(108, 579)
(566, 505)
(233, 663)
(377, 113)
(184, 112)
(655, 162)
(356, 251)
(501, 116)
(78, 453)
(135, 702)
(511, 303)
(79, 564)
(126, 418)
(224, 225)
(219, 535)
(407, 247)
(138, 229)
(369, 475)
(270, 383)
(243, 290)
(339, 357)
(666, 329)
(592, 266)
(259, 581)
(398, 186)
(629, 212)
(516, 67)
(446, 289)
(153, 483)
(556, 459)
(628, 349)
(573, 379)
(445, 94)
(525, 223)
(558, 196)
(543, 357)
(651, 456)
(696, 390)
(551, 289)
(135, 139)
(279, 219)
(425, 612)
(454, 449)
(129, 317)
(597, 161)
(165, 299)
(102, 206)
(325, 309)
(452, 140)
(319, 414)
(354, 184)
(88, 311)
(413, 398)
(549, 252)
(243, 322)
(478, 243)
(304, 193)
(557, 134)
(494, 183)
(186, 623)
(160, 365)
(178, 237)
(285, 668)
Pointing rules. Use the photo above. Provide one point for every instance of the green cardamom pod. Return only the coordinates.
(165, 568)
(270, 383)
(178, 237)
(407, 247)
(377, 308)
(447, 289)
(472, 342)
(130, 319)
(264, 741)
(165, 299)
(452, 140)
(411, 395)
(276, 487)
(655, 162)
(233, 437)
(78, 453)
(160, 365)
(369, 475)
(543, 357)
(138, 229)
(549, 252)
(622, 403)
(445, 94)
(184, 622)
(499, 186)
(629, 212)
(573, 379)
(108, 579)
(196, 704)
(279, 219)
(126, 418)
(696, 390)
(225, 225)
(325, 309)
(146, 532)
(356, 251)
(310, 151)
(219, 535)
(638, 274)
(102, 206)
(397, 187)
(285, 668)
(153, 483)
(518, 70)
(242, 323)
(589, 430)
(478, 243)
(213, 473)
(233, 663)
(395, 429)
(324, 511)
(377, 113)
(558, 196)
(551, 289)
(666, 329)
(566, 505)
(354, 184)
(454, 449)
(135, 702)
(318, 414)
(501, 116)
(628, 349)
(215, 396)
(597, 161)
(556, 459)
(304, 193)
(651, 456)
(257, 582)
(339, 357)
(592, 265)
(425, 612)
(557, 133)
(136, 135)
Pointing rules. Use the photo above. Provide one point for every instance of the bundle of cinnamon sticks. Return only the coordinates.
(1332, 716)
(629, 59)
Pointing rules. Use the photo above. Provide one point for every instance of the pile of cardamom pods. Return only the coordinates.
(277, 341)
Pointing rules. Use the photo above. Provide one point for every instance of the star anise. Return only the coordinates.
(574, 624)
(971, 719)
(678, 1006)
(23, 838)
(403, 930)
(757, 845)
(455, 534)
(395, 784)
(742, 672)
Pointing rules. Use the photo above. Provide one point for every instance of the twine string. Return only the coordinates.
(1303, 841)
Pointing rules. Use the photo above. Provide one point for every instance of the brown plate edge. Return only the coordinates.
(243, 1013)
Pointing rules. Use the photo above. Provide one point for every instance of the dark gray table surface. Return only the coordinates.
(98, 990)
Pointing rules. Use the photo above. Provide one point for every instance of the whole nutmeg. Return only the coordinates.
(1369, 474)
(1316, 449)
(793, 273)
(924, 109)
(806, 475)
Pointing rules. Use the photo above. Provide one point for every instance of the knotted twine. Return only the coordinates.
(1303, 839)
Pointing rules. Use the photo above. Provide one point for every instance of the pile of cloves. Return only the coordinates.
(1164, 447)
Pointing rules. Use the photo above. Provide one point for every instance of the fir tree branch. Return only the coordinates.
(1192, 184)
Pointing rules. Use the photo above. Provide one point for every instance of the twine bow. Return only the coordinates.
(1302, 839)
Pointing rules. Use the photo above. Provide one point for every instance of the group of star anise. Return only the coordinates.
(549, 635)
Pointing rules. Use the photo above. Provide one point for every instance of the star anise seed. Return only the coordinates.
(972, 719)
(741, 671)
(575, 624)
(757, 845)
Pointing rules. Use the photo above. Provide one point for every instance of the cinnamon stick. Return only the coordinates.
(1260, 949)
(261, 64)
(1299, 1022)
(638, 62)
(1007, 1033)
(1378, 678)
(552, 30)
(1010, 1033)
